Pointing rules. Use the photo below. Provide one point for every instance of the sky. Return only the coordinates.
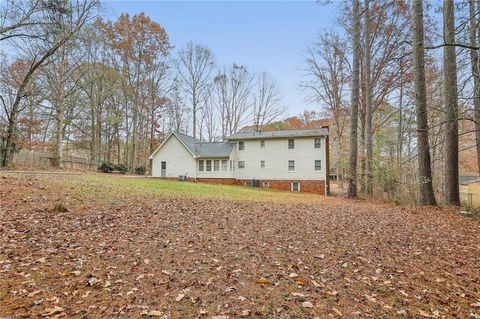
(266, 36)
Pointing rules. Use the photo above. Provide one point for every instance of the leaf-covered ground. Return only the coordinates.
(130, 255)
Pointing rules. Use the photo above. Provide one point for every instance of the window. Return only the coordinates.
(216, 165)
(241, 164)
(291, 144)
(200, 165)
(241, 145)
(262, 144)
(262, 164)
(295, 187)
(317, 142)
(318, 165)
(266, 184)
(291, 166)
(224, 165)
(209, 165)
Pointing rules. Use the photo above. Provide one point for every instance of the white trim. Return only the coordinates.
(165, 141)
(291, 187)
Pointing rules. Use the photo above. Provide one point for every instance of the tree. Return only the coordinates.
(427, 197)
(368, 102)
(195, 65)
(452, 193)
(39, 47)
(474, 25)
(352, 182)
(266, 108)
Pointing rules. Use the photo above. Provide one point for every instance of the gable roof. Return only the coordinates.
(278, 134)
(198, 148)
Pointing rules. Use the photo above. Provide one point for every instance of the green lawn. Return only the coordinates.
(112, 186)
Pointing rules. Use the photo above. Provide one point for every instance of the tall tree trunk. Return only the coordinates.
(352, 183)
(368, 104)
(400, 118)
(427, 197)
(476, 75)
(452, 192)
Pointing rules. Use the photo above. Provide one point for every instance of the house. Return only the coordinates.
(295, 160)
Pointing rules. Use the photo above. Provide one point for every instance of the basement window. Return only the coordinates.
(266, 184)
(295, 187)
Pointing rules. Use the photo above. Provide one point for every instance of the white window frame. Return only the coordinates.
(262, 143)
(293, 170)
(315, 165)
(293, 144)
(298, 189)
(241, 148)
(238, 164)
(262, 164)
(319, 142)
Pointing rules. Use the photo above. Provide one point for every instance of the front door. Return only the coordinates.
(164, 169)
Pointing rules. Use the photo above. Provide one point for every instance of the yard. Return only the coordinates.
(96, 246)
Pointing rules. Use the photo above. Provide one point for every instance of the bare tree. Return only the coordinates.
(474, 25)
(352, 183)
(38, 49)
(368, 102)
(427, 197)
(266, 103)
(195, 65)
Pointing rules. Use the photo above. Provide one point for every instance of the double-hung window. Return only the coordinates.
(262, 143)
(318, 165)
(317, 142)
(224, 165)
(201, 165)
(216, 165)
(209, 165)
(291, 144)
(241, 145)
(291, 166)
(262, 164)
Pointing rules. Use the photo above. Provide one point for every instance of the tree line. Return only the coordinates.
(115, 88)
(400, 83)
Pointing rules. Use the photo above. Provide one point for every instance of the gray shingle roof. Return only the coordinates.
(205, 149)
(278, 134)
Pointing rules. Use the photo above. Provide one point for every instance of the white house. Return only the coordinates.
(296, 160)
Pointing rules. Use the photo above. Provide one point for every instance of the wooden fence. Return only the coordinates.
(46, 160)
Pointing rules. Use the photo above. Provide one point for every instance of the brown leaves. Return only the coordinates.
(204, 258)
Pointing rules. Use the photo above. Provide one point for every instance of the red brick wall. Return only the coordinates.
(226, 181)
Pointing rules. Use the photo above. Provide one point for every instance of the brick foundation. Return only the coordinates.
(306, 186)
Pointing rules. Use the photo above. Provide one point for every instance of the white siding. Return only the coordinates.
(179, 160)
(276, 156)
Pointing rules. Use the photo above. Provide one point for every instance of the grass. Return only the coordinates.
(109, 187)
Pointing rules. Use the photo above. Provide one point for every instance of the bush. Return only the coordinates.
(106, 167)
(140, 170)
(121, 168)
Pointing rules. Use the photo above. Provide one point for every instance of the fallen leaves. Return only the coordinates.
(203, 258)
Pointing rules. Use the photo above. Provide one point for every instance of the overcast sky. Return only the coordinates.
(263, 35)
